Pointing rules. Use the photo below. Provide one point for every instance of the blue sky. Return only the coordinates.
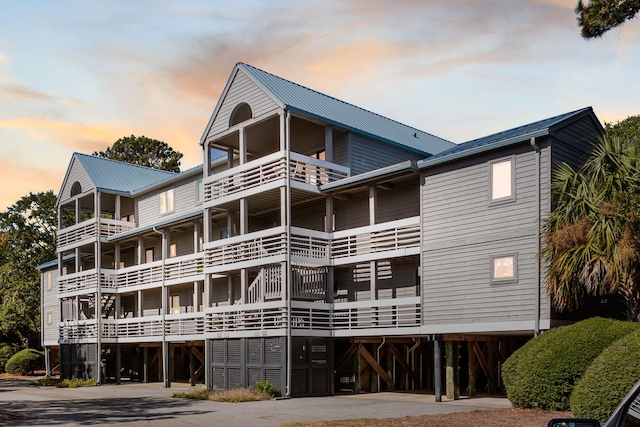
(78, 75)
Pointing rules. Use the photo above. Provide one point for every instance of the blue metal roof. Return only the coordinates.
(120, 177)
(309, 102)
(507, 137)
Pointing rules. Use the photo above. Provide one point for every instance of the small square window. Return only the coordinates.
(504, 268)
(502, 180)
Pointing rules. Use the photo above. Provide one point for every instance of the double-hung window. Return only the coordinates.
(166, 202)
(502, 180)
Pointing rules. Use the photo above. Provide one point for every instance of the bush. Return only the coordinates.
(608, 379)
(268, 388)
(25, 362)
(543, 372)
(76, 382)
(6, 351)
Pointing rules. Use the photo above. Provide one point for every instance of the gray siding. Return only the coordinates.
(152, 302)
(462, 230)
(148, 205)
(352, 213)
(402, 201)
(50, 305)
(242, 89)
(367, 154)
(76, 173)
(572, 143)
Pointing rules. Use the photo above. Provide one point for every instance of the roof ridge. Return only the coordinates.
(147, 168)
(341, 101)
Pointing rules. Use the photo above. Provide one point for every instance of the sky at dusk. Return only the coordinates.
(76, 75)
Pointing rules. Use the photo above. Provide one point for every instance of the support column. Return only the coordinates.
(140, 309)
(437, 368)
(328, 143)
(472, 370)
(118, 364)
(230, 288)
(452, 351)
(166, 360)
(192, 379)
(145, 364)
(47, 361)
(373, 266)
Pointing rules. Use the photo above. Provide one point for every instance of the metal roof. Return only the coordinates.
(507, 137)
(386, 171)
(168, 221)
(120, 177)
(309, 102)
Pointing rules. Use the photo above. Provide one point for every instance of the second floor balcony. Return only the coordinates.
(88, 231)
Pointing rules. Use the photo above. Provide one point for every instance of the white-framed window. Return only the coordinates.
(149, 255)
(49, 280)
(173, 250)
(502, 180)
(504, 268)
(49, 318)
(199, 191)
(167, 201)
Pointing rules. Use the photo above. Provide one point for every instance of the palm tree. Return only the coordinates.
(591, 244)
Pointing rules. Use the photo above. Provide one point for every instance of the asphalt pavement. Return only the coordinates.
(136, 404)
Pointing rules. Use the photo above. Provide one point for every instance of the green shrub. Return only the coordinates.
(76, 382)
(48, 381)
(542, 373)
(25, 362)
(6, 351)
(608, 379)
(268, 388)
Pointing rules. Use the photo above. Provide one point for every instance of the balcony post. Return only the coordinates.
(373, 266)
(328, 143)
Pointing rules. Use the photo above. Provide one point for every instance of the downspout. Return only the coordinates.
(165, 354)
(288, 256)
(536, 326)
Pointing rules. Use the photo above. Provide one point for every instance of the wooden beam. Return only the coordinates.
(485, 366)
(453, 376)
(405, 366)
(472, 370)
(374, 364)
(346, 356)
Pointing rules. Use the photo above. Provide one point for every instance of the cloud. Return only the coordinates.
(38, 179)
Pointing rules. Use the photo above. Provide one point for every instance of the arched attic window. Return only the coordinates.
(239, 114)
(76, 189)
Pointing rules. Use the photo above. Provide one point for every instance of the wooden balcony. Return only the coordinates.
(267, 173)
(176, 270)
(245, 320)
(379, 241)
(86, 281)
(77, 331)
(87, 232)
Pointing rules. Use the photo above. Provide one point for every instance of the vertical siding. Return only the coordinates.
(367, 154)
(462, 230)
(76, 174)
(242, 89)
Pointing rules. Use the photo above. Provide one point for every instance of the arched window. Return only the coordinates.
(76, 189)
(241, 113)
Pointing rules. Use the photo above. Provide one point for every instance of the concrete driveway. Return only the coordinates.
(150, 404)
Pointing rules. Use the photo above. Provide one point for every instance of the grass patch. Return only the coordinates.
(76, 382)
(235, 395)
(48, 382)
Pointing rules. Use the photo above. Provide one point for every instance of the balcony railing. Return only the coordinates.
(86, 280)
(175, 270)
(376, 314)
(247, 317)
(270, 169)
(402, 236)
(89, 230)
(77, 330)
(265, 246)
(150, 326)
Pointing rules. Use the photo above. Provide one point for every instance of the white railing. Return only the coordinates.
(247, 317)
(308, 170)
(310, 246)
(184, 266)
(265, 245)
(77, 330)
(266, 286)
(142, 274)
(269, 169)
(388, 236)
(184, 324)
(86, 280)
(387, 313)
(150, 326)
(89, 230)
(178, 268)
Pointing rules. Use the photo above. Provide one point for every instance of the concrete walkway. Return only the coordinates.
(151, 405)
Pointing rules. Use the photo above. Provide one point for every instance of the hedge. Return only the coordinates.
(6, 351)
(543, 372)
(608, 379)
(25, 362)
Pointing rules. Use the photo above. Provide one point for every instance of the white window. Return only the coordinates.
(504, 268)
(166, 201)
(502, 180)
(173, 250)
(49, 280)
(149, 255)
(49, 318)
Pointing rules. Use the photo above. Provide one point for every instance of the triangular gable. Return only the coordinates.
(75, 173)
(240, 87)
